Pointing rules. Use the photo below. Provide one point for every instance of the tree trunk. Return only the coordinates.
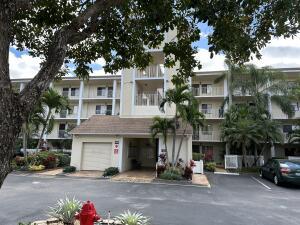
(25, 142)
(180, 144)
(43, 130)
(229, 82)
(244, 155)
(10, 127)
(166, 149)
(174, 140)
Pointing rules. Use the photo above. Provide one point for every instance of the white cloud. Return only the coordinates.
(279, 53)
(24, 66)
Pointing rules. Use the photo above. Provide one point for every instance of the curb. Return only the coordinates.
(227, 173)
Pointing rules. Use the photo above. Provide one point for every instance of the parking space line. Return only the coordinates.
(266, 186)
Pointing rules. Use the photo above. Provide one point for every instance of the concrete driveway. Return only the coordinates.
(232, 200)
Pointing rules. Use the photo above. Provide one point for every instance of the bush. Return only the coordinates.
(20, 161)
(36, 168)
(188, 170)
(69, 169)
(210, 166)
(46, 158)
(171, 174)
(129, 218)
(198, 156)
(63, 159)
(111, 171)
(65, 210)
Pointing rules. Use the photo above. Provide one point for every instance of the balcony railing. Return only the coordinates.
(148, 99)
(213, 113)
(152, 71)
(278, 114)
(63, 134)
(213, 91)
(206, 136)
(104, 112)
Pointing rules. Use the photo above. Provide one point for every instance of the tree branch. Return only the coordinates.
(69, 34)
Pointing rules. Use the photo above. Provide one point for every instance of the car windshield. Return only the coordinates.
(290, 164)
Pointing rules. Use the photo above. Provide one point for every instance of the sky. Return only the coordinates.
(279, 53)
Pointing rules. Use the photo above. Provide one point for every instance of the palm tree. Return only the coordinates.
(179, 96)
(294, 136)
(241, 134)
(190, 116)
(162, 126)
(32, 124)
(54, 102)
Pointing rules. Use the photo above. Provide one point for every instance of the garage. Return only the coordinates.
(96, 156)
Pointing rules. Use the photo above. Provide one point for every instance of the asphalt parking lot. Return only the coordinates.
(231, 200)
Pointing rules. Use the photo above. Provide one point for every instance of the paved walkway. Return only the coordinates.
(138, 176)
(200, 179)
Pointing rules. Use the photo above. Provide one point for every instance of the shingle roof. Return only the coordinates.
(118, 126)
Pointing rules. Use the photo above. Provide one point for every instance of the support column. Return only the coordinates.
(121, 147)
(273, 151)
(133, 93)
(22, 85)
(114, 98)
(80, 102)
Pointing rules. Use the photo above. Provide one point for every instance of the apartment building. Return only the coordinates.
(211, 96)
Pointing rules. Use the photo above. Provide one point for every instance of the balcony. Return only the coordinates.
(63, 134)
(213, 113)
(152, 71)
(65, 115)
(207, 92)
(148, 99)
(104, 112)
(206, 136)
(278, 114)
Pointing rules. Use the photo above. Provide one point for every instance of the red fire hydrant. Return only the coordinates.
(88, 214)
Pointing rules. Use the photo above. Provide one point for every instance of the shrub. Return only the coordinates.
(198, 156)
(65, 210)
(63, 159)
(171, 174)
(111, 171)
(129, 218)
(46, 158)
(210, 166)
(14, 165)
(20, 161)
(188, 170)
(69, 169)
(36, 168)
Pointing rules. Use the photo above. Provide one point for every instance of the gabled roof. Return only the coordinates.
(114, 125)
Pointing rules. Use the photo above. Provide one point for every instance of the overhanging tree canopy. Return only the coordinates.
(82, 31)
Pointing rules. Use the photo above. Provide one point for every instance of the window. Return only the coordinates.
(100, 109)
(206, 108)
(65, 92)
(195, 89)
(101, 91)
(296, 106)
(108, 109)
(206, 88)
(74, 91)
(110, 92)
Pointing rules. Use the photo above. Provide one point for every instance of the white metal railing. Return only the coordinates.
(212, 91)
(240, 93)
(213, 113)
(148, 99)
(236, 161)
(63, 134)
(278, 114)
(206, 136)
(152, 71)
(294, 158)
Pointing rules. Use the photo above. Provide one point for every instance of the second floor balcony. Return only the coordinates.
(206, 135)
(148, 99)
(208, 91)
(64, 134)
(213, 113)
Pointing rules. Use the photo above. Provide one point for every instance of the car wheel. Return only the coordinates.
(276, 181)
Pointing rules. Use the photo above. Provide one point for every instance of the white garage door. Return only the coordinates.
(96, 156)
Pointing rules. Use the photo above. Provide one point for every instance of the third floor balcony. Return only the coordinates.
(206, 135)
(154, 71)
